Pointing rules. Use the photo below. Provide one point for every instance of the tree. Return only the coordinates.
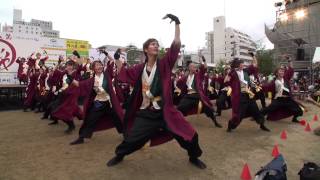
(265, 61)
(220, 66)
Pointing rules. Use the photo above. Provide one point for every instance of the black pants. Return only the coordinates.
(223, 98)
(261, 96)
(146, 124)
(94, 115)
(247, 107)
(190, 101)
(286, 103)
(56, 100)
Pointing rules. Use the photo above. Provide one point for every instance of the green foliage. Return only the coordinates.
(265, 61)
(220, 66)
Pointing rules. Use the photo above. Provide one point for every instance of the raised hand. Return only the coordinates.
(172, 17)
(117, 54)
(251, 54)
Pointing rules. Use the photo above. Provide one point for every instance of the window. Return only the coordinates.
(232, 36)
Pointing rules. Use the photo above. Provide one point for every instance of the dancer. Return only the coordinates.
(151, 114)
(194, 99)
(68, 99)
(283, 105)
(243, 104)
(102, 108)
(22, 70)
(224, 96)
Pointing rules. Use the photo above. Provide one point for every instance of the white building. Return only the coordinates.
(226, 43)
(34, 28)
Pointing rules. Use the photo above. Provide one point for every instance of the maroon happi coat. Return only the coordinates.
(236, 91)
(270, 87)
(31, 89)
(173, 118)
(40, 85)
(86, 90)
(68, 108)
(22, 77)
(199, 77)
(112, 71)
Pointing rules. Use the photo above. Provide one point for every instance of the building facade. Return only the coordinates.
(226, 43)
(34, 28)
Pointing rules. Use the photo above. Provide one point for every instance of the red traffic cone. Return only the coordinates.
(308, 128)
(303, 122)
(283, 135)
(315, 117)
(246, 175)
(275, 151)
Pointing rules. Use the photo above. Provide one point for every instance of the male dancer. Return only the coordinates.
(194, 98)
(243, 104)
(224, 91)
(68, 100)
(151, 113)
(102, 108)
(22, 70)
(255, 84)
(283, 105)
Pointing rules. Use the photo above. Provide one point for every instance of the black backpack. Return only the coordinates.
(275, 170)
(310, 171)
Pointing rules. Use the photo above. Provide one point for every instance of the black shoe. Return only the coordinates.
(198, 163)
(78, 141)
(264, 128)
(217, 125)
(229, 129)
(44, 117)
(295, 120)
(69, 130)
(53, 123)
(114, 161)
(215, 122)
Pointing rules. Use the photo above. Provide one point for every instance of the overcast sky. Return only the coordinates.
(123, 22)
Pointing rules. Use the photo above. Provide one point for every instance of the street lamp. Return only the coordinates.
(300, 14)
(284, 17)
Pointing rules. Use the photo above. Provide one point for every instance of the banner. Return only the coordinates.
(81, 46)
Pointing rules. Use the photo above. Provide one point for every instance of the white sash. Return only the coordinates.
(190, 81)
(147, 80)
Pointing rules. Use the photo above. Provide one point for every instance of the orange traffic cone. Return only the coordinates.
(315, 117)
(283, 135)
(303, 122)
(246, 175)
(275, 151)
(308, 128)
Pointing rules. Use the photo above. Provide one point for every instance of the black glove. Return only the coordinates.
(173, 18)
(251, 54)
(104, 52)
(76, 54)
(203, 59)
(69, 79)
(117, 54)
